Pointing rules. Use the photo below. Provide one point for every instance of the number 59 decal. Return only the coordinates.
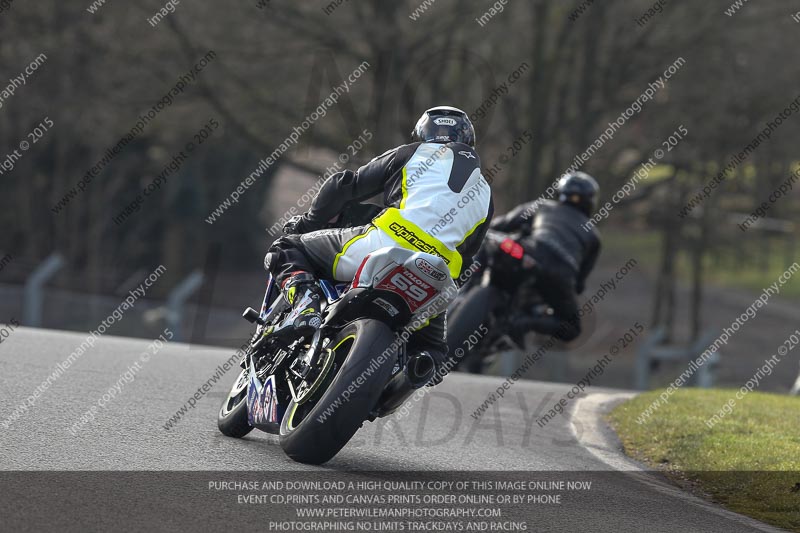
(410, 287)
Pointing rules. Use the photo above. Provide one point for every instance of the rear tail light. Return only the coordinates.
(512, 248)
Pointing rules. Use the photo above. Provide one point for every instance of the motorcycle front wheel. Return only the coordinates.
(232, 418)
(466, 320)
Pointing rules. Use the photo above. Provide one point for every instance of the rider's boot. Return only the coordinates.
(548, 324)
(305, 296)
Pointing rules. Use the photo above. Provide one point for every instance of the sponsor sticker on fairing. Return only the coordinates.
(386, 306)
(429, 270)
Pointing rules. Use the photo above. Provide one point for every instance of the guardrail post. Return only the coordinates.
(796, 388)
(33, 296)
(705, 374)
(643, 356)
(509, 362)
(177, 300)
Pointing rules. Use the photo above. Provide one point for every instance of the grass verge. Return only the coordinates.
(749, 461)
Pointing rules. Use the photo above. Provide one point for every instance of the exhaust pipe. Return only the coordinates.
(420, 369)
(417, 373)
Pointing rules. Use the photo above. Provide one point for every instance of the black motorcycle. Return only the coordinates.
(493, 309)
(315, 391)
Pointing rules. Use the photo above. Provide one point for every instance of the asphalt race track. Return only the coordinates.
(438, 435)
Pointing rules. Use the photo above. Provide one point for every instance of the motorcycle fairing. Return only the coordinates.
(263, 408)
(333, 291)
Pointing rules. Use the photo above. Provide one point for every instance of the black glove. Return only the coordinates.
(298, 225)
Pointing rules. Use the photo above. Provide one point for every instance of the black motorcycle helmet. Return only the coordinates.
(580, 190)
(444, 124)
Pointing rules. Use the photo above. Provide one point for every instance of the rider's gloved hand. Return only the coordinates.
(299, 224)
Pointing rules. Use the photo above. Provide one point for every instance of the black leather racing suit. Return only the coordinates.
(565, 254)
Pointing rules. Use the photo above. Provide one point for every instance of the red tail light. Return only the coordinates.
(512, 248)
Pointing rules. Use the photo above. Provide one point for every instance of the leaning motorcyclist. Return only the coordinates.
(563, 249)
(435, 199)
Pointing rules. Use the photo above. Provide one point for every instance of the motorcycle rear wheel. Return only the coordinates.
(317, 429)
